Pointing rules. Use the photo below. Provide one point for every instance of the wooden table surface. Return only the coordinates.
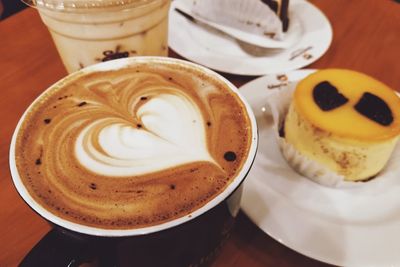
(366, 38)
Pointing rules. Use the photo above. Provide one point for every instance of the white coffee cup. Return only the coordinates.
(186, 240)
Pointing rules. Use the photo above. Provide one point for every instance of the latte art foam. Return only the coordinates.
(170, 132)
(133, 147)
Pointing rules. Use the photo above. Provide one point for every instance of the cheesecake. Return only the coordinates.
(345, 121)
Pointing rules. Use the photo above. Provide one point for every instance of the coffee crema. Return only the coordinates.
(132, 147)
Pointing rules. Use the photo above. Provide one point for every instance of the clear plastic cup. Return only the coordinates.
(86, 32)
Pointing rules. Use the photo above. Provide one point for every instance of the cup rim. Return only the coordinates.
(86, 5)
(96, 231)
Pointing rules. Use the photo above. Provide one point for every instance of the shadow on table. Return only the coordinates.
(257, 249)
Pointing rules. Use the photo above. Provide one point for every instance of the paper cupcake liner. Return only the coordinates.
(278, 103)
(248, 15)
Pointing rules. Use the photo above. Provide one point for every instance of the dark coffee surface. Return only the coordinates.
(134, 147)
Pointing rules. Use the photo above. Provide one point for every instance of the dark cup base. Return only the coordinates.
(192, 244)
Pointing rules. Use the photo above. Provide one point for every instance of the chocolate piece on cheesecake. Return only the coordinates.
(280, 7)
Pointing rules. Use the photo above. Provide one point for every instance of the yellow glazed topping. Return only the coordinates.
(349, 104)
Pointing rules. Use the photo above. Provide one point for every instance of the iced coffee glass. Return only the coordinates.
(88, 32)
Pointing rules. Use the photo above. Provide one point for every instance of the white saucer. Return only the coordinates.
(221, 52)
(357, 226)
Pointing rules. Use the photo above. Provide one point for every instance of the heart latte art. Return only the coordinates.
(169, 131)
(133, 147)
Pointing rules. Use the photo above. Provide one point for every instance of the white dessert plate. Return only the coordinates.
(357, 226)
(309, 32)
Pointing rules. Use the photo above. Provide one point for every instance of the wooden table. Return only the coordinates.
(366, 38)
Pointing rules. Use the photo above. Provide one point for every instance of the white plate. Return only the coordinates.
(357, 226)
(221, 52)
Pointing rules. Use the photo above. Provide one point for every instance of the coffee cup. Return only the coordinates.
(138, 160)
(86, 32)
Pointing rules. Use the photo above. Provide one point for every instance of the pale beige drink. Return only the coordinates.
(88, 32)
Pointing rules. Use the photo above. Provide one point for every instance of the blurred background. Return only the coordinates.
(9, 7)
